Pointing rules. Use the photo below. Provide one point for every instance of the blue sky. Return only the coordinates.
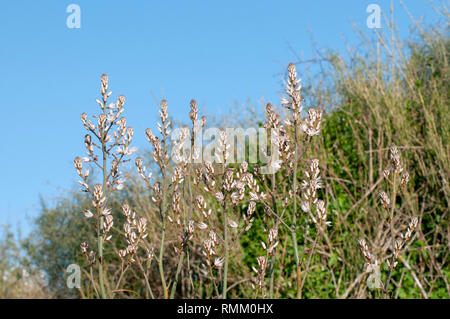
(217, 52)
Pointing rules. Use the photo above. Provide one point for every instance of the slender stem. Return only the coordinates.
(93, 282)
(163, 232)
(191, 210)
(189, 271)
(212, 278)
(294, 217)
(100, 226)
(272, 277)
(391, 223)
(121, 276)
(190, 172)
(100, 267)
(225, 237)
(149, 288)
(174, 285)
(256, 293)
(160, 261)
(311, 253)
(272, 260)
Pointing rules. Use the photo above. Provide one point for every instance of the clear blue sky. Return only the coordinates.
(217, 52)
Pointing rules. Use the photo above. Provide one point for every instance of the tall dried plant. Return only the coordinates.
(396, 179)
(107, 147)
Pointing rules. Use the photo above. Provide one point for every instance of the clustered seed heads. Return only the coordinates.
(369, 257)
(186, 232)
(196, 127)
(411, 227)
(185, 154)
(396, 166)
(279, 138)
(112, 142)
(232, 186)
(310, 185)
(384, 198)
(99, 199)
(311, 126)
(285, 145)
(223, 148)
(160, 154)
(405, 179)
(395, 159)
(293, 88)
(400, 243)
(142, 170)
(109, 142)
(212, 239)
(260, 271)
(272, 241)
(255, 193)
(321, 214)
(135, 232)
(180, 153)
(107, 223)
(209, 252)
(90, 257)
(397, 244)
(227, 185)
(248, 217)
(273, 120)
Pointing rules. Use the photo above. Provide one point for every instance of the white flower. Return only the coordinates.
(305, 206)
(219, 196)
(126, 150)
(84, 184)
(88, 214)
(277, 165)
(218, 262)
(202, 225)
(120, 184)
(233, 224)
(106, 212)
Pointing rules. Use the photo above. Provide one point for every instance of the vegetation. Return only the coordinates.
(362, 186)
